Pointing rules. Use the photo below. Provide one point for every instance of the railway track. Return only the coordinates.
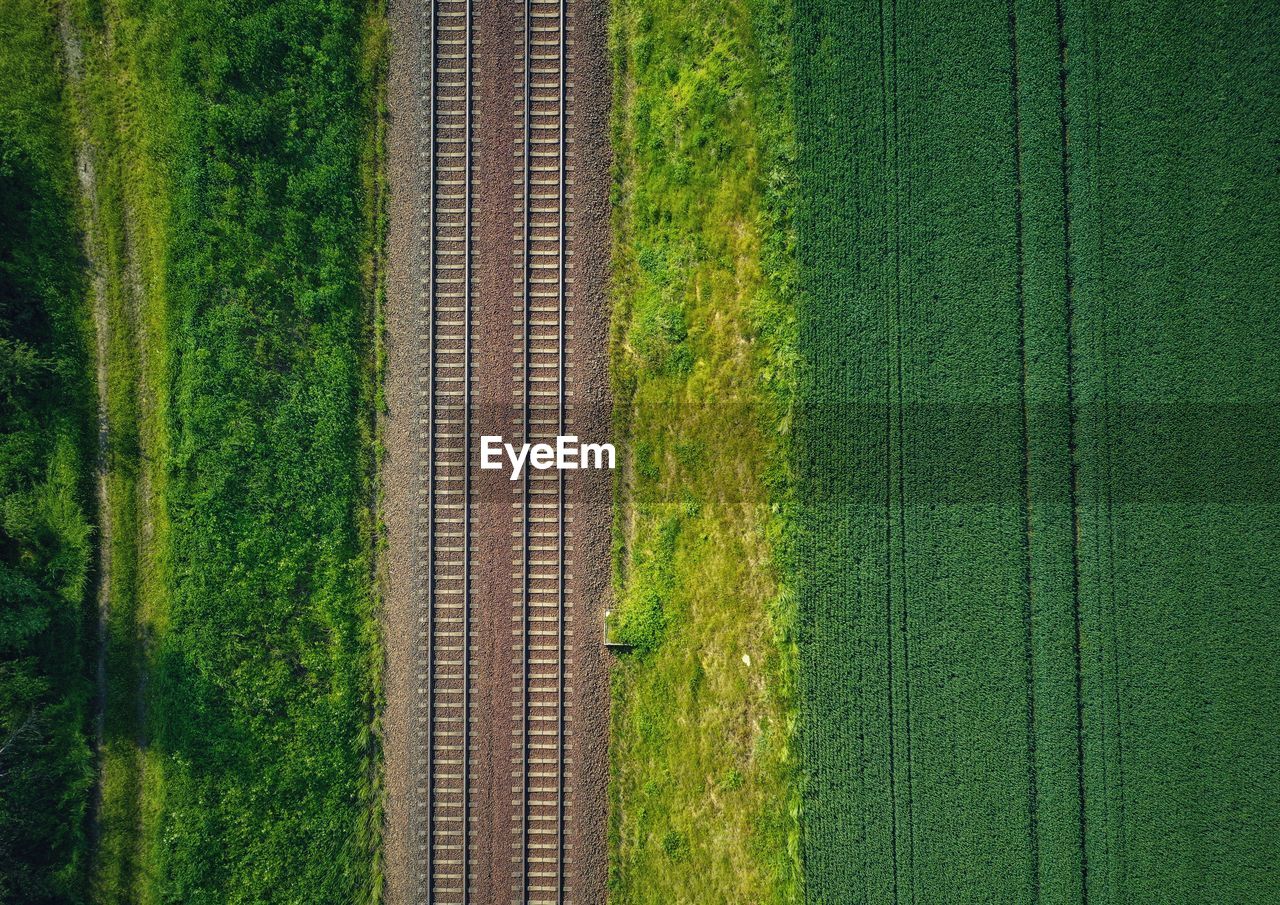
(443, 815)
(542, 519)
(443, 830)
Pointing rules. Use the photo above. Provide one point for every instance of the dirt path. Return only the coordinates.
(74, 60)
(137, 463)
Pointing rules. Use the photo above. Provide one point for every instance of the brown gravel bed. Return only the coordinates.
(496, 703)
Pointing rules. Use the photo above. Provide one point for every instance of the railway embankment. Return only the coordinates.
(493, 616)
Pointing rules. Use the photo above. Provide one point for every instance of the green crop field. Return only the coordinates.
(1037, 528)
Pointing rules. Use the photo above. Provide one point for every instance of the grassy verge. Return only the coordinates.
(702, 773)
(374, 58)
(46, 446)
(241, 203)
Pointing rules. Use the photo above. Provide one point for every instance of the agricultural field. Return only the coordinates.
(945, 362)
(1035, 539)
(1176, 223)
(910, 536)
(703, 797)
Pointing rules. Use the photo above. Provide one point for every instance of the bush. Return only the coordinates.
(45, 538)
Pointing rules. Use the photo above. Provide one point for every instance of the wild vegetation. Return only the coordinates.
(239, 201)
(46, 449)
(266, 685)
(703, 773)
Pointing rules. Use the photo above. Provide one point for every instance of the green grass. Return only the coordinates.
(1034, 528)
(243, 191)
(46, 445)
(702, 769)
(269, 680)
(122, 116)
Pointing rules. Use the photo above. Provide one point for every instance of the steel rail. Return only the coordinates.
(448, 279)
(561, 215)
(430, 480)
(526, 222)
(543, 120)
(466, 479)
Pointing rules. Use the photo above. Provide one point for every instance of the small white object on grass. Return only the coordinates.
(746, 658)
